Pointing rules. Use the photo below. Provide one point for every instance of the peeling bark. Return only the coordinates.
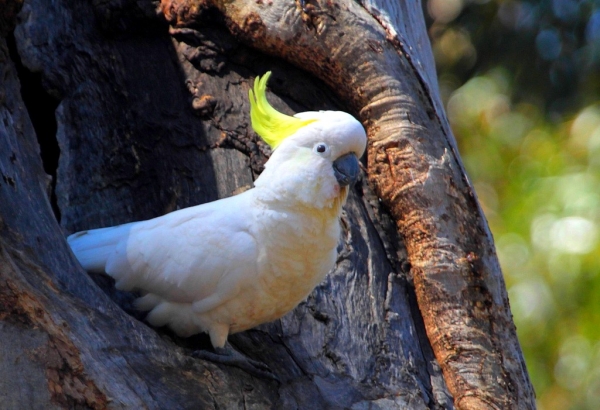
(64, 372)
(153, 116)
(365, 54)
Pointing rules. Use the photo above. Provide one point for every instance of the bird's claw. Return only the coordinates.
(231, 357)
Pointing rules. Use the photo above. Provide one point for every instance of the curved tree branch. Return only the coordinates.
(151, 118)
(414, 166)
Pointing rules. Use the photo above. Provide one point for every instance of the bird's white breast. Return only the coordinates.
(297, 250)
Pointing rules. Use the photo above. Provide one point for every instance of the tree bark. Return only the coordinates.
(151, 116)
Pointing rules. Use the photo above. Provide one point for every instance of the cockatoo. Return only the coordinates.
(232, 264)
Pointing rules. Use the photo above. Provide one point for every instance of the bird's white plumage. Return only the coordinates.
(232, 264)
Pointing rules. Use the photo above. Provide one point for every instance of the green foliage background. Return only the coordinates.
(521, 84)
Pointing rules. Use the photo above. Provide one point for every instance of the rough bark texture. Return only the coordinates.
(151, 116)
(370, 53)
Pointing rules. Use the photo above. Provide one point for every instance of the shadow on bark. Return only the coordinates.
(153, 118)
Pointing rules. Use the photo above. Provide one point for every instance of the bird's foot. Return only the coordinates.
(229, 356)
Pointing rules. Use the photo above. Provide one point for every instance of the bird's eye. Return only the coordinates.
(321, 148)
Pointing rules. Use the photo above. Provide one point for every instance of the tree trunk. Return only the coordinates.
(140, 112)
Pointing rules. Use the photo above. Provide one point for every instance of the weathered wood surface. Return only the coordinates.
(152, 118)
(369, 53)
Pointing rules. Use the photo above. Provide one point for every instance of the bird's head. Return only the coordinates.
(315, 154)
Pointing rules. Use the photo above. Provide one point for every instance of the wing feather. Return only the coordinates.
(189, 255)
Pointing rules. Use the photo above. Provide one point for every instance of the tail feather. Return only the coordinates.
(93, 248)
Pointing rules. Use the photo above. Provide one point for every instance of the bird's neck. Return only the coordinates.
(316, 197)
(290, 201)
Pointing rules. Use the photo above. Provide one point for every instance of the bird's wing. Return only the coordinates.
(202, 254)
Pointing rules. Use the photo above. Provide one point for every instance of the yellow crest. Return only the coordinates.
(272, 125)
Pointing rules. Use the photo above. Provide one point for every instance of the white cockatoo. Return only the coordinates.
(232, 264)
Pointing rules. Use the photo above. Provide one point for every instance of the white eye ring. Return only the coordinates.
(321, 148)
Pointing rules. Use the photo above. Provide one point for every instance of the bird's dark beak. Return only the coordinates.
(346, 169)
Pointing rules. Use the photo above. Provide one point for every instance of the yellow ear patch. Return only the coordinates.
(272, 125)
